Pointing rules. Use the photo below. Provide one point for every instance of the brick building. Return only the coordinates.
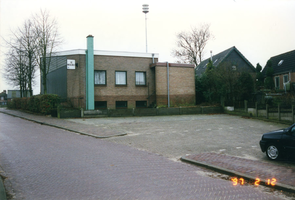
(94, 79)
(283, 66)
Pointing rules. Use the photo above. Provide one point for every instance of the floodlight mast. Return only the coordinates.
(145, 10)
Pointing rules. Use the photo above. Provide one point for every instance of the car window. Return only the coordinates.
(293, 130)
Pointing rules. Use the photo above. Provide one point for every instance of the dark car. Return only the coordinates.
(278, 143)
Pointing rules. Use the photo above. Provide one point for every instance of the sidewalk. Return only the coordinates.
(249, 170)
(82, 129)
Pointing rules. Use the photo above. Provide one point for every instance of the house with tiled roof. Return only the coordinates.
(231, 56)
(284, 70)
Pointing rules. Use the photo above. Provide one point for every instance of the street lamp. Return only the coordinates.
(145, 10)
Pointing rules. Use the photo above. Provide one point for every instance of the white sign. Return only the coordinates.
(70, 64)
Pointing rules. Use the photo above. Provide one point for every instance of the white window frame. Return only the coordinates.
(284, 78)
(121, 77)
(100, 77)
(277, 83)
(140, 78)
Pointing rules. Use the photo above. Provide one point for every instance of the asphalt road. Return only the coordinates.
(42, 162)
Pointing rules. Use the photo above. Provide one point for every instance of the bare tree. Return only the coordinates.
(48, 39)
(22, 46)
(191, 44)
(28, 41)
(16, 72)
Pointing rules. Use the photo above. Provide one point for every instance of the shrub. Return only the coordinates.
(48, 102)
(24, 103)
(34, 104)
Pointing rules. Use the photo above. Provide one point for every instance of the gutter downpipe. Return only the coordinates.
(168, 92)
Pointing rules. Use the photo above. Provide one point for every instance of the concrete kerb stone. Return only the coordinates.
(67, 129)
(279, 186)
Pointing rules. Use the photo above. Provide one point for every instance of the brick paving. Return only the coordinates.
(250, 169)
(83, 129)
(43, 162)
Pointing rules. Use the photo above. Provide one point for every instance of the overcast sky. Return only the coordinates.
(259, 29)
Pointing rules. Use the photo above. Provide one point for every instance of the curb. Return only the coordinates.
(67, 129)
(279, 186)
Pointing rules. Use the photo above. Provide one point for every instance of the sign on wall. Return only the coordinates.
(70, 64)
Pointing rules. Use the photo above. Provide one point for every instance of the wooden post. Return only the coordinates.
(293, 113)
(279, 111)
(246, 105)
(256, 109)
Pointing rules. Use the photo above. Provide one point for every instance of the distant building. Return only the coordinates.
(231, 56)
(17, 94)
(94, 79)
(284, 70)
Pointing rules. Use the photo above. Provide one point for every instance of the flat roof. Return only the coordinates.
(106, 53)
(164, 64)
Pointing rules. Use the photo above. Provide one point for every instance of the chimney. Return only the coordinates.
(89, 74)
(211, 55)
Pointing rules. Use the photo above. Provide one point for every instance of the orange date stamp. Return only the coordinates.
(241, 181)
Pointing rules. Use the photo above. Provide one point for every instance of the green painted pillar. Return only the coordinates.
(89, 74)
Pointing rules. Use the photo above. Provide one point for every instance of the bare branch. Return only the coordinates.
(192, 44)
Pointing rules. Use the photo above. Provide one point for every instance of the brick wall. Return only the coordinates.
(110, 92)
(76, 81)
(130, 93)
(181, 84)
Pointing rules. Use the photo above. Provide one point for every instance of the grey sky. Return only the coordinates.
(260, 29)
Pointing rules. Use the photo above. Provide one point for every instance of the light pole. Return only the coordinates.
(145, 10)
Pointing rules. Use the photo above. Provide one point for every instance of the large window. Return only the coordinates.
(99, 77)
(140, 78)
(121, 78)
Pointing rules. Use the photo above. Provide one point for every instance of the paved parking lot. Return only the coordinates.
(42, 162)
(176, 136)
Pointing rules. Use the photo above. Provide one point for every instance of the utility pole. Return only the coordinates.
(145, 10)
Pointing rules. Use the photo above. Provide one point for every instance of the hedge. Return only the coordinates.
(39, 104)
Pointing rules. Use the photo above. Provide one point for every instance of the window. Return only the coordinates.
(99, 77)
(277, 82)
(121, 104)
(100, 105)
(234, 68)
(121, 78)
(141, 104)
(280, 63)
(286, 78)
(140, 78)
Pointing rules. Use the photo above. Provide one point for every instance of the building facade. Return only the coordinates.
(94, 79)
(283, 66)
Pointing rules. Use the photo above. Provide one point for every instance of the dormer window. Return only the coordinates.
(280, 63)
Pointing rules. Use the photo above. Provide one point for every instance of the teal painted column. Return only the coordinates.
(89, 74)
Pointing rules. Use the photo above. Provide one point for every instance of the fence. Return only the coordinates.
(142, 112)
(278, 112)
